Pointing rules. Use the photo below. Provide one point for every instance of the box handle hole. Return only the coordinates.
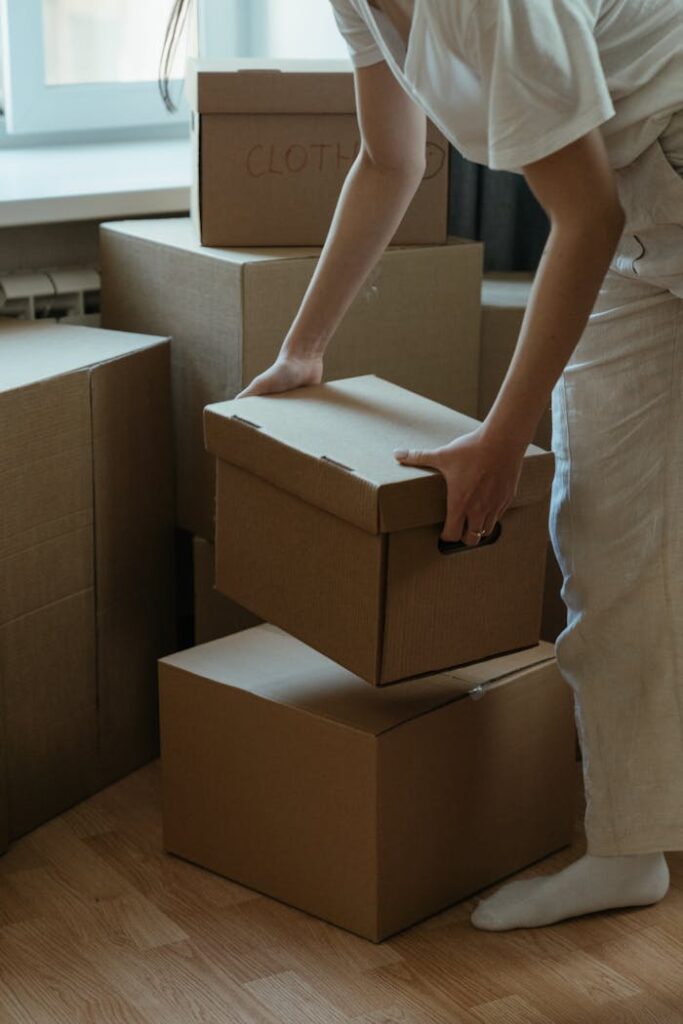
(451, 547)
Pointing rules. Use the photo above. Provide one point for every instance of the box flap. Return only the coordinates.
(261, 86)
(493, 670)
(34, 350)
(332, 445)
(269, 663)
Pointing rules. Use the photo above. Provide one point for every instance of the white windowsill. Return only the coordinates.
(93, 182)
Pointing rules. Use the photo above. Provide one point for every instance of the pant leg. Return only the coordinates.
(617, 530)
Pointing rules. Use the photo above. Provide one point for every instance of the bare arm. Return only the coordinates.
(373, 200)
(577, 189)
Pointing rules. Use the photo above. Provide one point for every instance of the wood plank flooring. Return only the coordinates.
(99, 926)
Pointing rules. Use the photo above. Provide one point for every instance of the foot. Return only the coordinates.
(586, 886)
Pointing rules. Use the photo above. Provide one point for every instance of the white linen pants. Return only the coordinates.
(617, 526)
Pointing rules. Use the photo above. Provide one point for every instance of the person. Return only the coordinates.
(585, 99)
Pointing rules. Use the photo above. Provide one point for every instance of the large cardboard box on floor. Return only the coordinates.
(504, 300)
(414, 322)
(370, 808)
(322, 532)
(272, 144)
(86, 559)
(215, 615)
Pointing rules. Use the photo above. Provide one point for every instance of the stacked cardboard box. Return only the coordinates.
(370, 807)
(322, 532)
(272, 146)
(86, 604)
(415, 322)
(504, 301)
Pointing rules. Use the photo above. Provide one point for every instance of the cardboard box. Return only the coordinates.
(215, 615)
(86, 558)
(322, 532)
(415, 322)
(369, 808)
(272, 144)
(504, 298)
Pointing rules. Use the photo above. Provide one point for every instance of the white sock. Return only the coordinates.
(586, 886)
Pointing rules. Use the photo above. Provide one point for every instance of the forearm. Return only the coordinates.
(371, 206)
(571, 271)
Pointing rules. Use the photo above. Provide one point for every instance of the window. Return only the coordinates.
(87, 65)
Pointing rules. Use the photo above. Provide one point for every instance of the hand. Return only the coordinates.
(481, 478)
(286, 374)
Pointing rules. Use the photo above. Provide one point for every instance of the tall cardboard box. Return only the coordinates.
(272, 144)
(215, 615)
(369, 808)
(415, 322)
(504, 300)
(86, 559)
(322, 532)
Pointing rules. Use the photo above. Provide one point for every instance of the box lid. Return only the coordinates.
(271, 664)
(36, 350)
(332, 445)
(261, 86)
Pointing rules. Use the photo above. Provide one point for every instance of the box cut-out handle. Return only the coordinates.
(452, 547)
(341, 465)
(248, 423)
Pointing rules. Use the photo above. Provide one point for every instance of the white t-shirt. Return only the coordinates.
(511, 81)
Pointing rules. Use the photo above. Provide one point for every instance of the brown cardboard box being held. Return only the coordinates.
(504, 299)
(86, 559)
(272, 144)
(372, 809)
(320, 531)
(215, 615)
(414, 322)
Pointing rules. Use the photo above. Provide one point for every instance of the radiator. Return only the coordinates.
(67, 294)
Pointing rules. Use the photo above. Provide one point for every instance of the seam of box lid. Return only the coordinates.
(336, 468)
(453, 673)
(457, 698)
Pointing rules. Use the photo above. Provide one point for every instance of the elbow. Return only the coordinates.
(401, 167)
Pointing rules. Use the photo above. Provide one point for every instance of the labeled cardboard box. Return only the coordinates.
(322, 532)
(415, 322)
(372, 809)
(215, 615)
(504, 301)
(85, 559)
(272, 145)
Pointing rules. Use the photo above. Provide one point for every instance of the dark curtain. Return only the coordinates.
(498, 208)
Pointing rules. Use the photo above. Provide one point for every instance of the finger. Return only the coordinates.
(490, 523)
(455, 522)
(417, 458)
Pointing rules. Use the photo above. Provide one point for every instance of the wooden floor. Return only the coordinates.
(99, 926)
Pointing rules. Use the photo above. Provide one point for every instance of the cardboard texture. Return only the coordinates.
(322, 532)
(85, 559)
(215, 615)
(272, 147)
(372, 809)
(504, 301)
(415, 322)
